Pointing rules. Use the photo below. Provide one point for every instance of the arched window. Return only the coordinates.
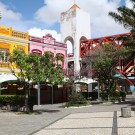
(60, 59)
(4, 55)
(36, 51)
(70, 46)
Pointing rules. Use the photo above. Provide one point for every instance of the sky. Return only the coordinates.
(40, 17)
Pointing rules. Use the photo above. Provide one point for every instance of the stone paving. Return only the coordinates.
(100, 123)
(56, 120)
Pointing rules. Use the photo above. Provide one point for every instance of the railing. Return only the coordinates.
(4, 64)
(18, 34)
(8, 31)
(70, 55)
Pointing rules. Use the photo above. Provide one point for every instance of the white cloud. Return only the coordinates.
(12, 19)
(50, 12)
(40, 33)
(129, 3)
(101, 23)
(8, 14)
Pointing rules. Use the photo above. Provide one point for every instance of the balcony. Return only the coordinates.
(8, 31)
(69, 55)
(4, 64)
(18, 34)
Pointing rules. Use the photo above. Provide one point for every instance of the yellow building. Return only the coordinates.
(9, 40)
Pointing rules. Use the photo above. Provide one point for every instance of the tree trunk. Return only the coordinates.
(27, 97)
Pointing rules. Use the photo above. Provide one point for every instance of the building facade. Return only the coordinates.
(75, 26)
(9, 40)
(48, 43)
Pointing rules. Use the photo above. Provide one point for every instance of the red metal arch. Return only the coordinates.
(88, 45)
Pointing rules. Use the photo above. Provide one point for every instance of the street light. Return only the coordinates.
(96, 79)
(37, 86)
(98, 89)
(52, 91)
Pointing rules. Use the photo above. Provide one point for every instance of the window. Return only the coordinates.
(36, 51)
(60, 59)
(3, 55)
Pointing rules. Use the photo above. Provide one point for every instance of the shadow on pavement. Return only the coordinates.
(40, 111)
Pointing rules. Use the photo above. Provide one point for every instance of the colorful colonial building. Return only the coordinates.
(9, 40)
(48, 43)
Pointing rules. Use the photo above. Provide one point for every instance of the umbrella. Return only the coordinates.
(85, 80)
(7, 77)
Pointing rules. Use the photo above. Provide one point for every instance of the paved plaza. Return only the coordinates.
(101, 123)
(97, 119)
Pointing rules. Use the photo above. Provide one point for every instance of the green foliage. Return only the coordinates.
(126, 17)
(104, 60)
(122, 94)
(114, 95)
(15, 100)
(76, 99)
(104, 96)
(35, 67)
(59, 57)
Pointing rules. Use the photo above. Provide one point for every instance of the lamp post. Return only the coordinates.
(38, 93)
(96, 79)
(98, 89)
(37, 86)
(52, 93)
(51, 84)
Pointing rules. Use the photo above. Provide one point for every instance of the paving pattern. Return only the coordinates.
(81, 124)
(101, 123)
(99, 119)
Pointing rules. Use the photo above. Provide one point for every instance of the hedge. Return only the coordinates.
(15, 100)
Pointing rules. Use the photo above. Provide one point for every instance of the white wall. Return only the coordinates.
(75, 23)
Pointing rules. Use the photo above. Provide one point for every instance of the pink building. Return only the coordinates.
(48, 43)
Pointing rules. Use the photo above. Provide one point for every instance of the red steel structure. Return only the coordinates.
(126, 70)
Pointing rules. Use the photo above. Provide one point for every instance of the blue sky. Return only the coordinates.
(40, 17)
(26, 7)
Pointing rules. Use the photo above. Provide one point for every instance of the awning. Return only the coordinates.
(7, 77)
(85, 80)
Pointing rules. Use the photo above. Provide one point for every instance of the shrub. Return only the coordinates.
(114, 95)
(76, 99)
(122, 93)
(17, 100)
(104, 96)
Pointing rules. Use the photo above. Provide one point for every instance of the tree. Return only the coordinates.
(36, 68)
(18, 61)
(126, 17)
(104, 60)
